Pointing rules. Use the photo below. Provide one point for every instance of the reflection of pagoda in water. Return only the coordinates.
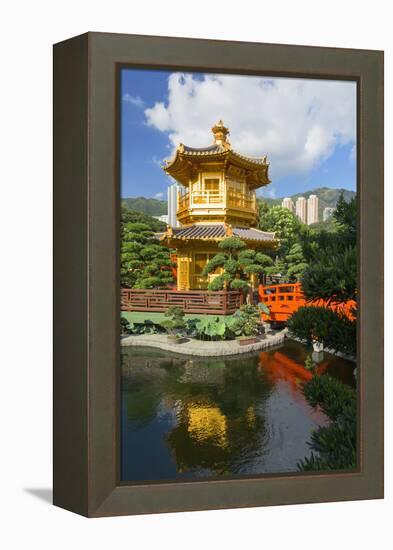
(217, 419)
(218, 200)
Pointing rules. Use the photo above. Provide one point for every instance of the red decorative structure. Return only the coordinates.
(284, 299)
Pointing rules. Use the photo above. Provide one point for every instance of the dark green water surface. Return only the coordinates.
(193, 418)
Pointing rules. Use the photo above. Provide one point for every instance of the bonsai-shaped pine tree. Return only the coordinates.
(174, 320)
(238, 263)
(144, 263)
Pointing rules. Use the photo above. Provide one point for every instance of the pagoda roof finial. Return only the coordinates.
(220, 133)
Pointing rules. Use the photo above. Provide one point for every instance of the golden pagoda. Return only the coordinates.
(217, 200)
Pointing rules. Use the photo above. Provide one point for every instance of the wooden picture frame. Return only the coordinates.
(86, 274)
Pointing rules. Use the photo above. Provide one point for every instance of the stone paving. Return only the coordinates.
(205, 348)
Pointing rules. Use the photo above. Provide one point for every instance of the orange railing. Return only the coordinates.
(284, 299)
(190, 301)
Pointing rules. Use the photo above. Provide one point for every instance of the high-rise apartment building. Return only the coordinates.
(288, 203)
(301, 209)
(172, 205)
(312, 209)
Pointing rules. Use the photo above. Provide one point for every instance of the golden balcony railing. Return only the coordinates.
(183, 201)
(232, 198)
(207, 197)
(236, 199)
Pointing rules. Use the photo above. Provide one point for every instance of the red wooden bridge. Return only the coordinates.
(284, 299)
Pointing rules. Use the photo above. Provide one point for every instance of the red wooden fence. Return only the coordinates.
(191, 301)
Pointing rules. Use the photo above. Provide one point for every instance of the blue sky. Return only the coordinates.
(306, 128)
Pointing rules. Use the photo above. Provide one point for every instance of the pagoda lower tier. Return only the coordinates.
(197, 244)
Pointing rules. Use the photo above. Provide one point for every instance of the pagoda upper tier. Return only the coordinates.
(219, 183)
(187, 161)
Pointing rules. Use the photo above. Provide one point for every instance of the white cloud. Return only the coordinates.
(298, 123)
(159, 196)
(134, 100)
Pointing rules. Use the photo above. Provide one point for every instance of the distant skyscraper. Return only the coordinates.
(327, 213)
(312, 209)
(301, 209)
(172, 205)
(288, 203)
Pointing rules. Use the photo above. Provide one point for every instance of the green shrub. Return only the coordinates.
(335, 331)
(125, 326)
(309, 364)
(174, 322)
(334, 445)
(147, 327)
(246, 321)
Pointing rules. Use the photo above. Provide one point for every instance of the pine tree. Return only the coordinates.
(144, 263)
(238, 263)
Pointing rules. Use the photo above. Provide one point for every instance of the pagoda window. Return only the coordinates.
(212, 184)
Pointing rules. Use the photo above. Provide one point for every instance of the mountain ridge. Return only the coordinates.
(328, 197)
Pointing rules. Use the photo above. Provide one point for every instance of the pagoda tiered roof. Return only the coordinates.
(218, 232)
(187, 160)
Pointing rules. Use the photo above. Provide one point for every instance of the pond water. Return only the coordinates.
(192, 418)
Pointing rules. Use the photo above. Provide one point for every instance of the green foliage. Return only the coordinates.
(328, 225)
(144, 263)
(345, 216)
(309, 364)
(132, 216)
(211, 328)
(147, 327)
(218, 283)
(296, 263)
(190, 328)
(334, 445)
(152, 207)
(330, 274)
(283, 222)
(246, 321)
(174, 322)
(239, 284)
(217, 261)
(320, 324)
(238, 263)
(334, 397)
(263, 308)
(333, 277)
(332, 258)
(231, 245)
(124, 326)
